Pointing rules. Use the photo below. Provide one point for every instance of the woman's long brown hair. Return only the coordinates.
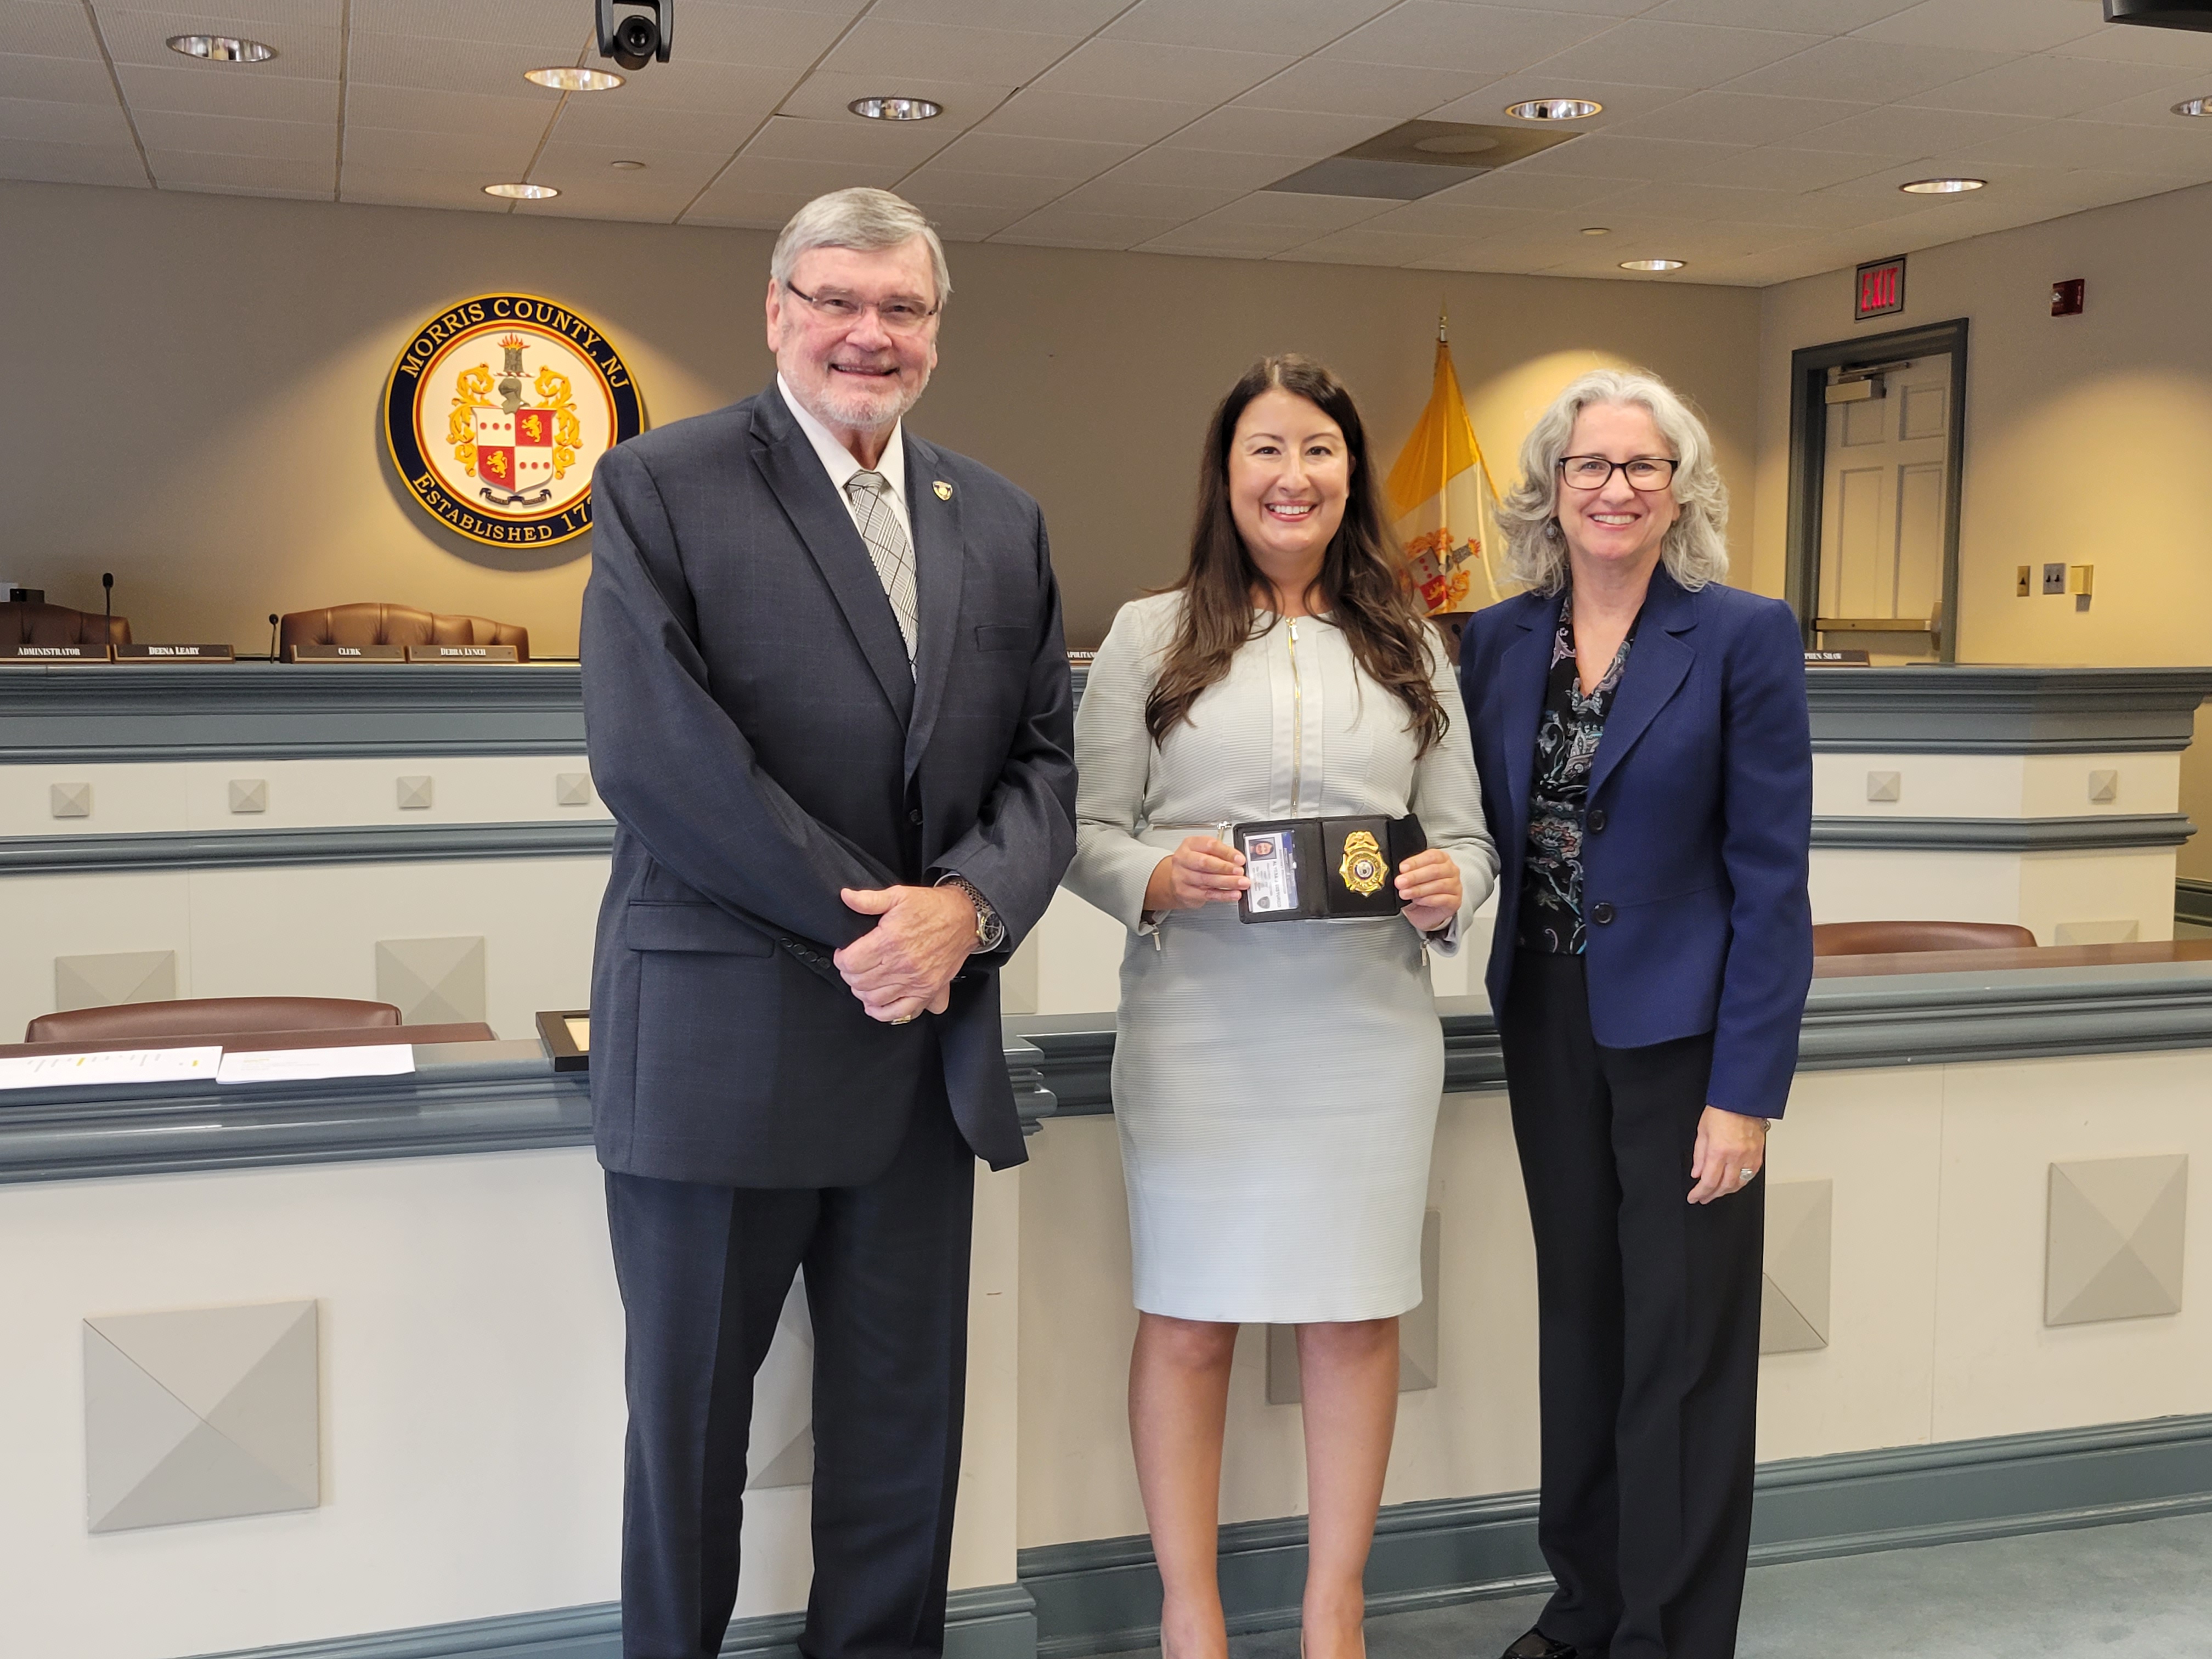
(1364, 582)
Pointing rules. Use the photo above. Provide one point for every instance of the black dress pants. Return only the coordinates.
(1647, 1315)
(703, 1272)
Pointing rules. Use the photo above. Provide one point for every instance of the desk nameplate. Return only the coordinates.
(46, 654)
(462, 653)
(345, 654)
(175, 654)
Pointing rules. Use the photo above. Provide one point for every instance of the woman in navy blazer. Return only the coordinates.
(1646, 761)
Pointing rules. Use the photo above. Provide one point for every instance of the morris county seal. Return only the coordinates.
(497, 411)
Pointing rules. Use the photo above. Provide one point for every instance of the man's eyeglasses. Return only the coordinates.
(1648, 474)
(898, 316)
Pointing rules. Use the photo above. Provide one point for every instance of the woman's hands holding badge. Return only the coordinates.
(1200, 872)
(1429, 883)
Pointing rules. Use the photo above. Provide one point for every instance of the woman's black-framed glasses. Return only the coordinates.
(898, 316)
(1647, 474)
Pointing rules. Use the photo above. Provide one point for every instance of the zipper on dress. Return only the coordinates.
(1298, 724)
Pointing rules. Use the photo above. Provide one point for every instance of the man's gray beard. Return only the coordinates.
(860, 410)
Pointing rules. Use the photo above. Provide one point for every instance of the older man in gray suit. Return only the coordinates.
(828, 704)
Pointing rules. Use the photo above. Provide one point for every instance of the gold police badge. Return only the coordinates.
(498, 409)
(1363, 866)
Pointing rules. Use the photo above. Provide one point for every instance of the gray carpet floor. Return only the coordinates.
(2143, 1590)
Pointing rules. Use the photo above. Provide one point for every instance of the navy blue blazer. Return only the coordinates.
(755, 729)
(1698, 826)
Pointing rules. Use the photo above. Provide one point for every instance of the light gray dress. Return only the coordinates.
(1275, 1085)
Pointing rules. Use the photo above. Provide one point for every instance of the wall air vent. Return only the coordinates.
(2162, 14)
(1419, 158)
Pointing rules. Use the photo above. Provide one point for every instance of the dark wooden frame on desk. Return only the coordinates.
(558, 1033)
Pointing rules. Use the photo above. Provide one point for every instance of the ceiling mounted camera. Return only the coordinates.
(641, 36)
(2161, 14)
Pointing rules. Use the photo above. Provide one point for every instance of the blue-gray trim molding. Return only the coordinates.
(997, 1621)
(368, 843)
(2192, 901)
(2103, 832)
(1101, 1595)
(272, 711)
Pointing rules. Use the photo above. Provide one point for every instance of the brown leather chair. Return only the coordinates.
(1874, 939)
(208, 1017)
(24, 623)
(396, 624)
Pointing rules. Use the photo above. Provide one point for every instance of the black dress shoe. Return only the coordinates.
(1535, 1644)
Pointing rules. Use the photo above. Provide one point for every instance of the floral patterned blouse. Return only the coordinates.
(1551, 918)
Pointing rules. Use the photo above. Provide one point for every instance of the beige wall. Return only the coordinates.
(2064, 418)
(193, 387)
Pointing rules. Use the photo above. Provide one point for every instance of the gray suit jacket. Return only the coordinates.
(755, 730)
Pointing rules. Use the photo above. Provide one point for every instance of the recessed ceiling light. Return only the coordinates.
(1554, 109)
(895, 109)
(1597, 230)
(2194, 107)
(1653, 264)
(566, 77)
(1941, 186)
(627, 166)
(222, 48)
(523, 192)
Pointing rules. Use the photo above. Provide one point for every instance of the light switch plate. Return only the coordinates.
(2054, 579)
(1885, 786)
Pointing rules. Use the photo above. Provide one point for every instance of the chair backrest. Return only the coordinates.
(24, 623)
(1874, 939)
(396, 624)
(208, 1017)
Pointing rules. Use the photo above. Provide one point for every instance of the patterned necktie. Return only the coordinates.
(869, 493)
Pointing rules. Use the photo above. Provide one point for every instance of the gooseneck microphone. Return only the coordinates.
(107, 599)
(273, 637)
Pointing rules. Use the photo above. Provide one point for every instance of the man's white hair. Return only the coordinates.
(863, 219)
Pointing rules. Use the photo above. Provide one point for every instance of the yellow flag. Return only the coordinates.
(1445, 506)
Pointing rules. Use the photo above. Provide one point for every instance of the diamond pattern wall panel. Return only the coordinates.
(1417, 1333)
(2117, 1226)
(201, 1414)
(782, 1449)
(433, 982)
(1793, 1308)
(117, 976)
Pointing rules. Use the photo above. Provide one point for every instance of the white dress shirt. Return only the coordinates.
(838, 460)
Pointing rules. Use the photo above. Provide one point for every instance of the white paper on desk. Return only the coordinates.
(305, 1065)
(107, 1070)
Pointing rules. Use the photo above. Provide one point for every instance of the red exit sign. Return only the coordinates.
(1881, 288)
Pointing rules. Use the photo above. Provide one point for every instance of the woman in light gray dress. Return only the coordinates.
(1275, 1085)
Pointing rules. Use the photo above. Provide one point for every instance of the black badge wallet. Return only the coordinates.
(1324, 869)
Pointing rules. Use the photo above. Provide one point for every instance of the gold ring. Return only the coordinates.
(907, 1019)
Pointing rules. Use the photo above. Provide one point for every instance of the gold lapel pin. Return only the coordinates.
(944, 491)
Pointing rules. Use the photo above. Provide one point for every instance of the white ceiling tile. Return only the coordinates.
(2002, 25)
(763, 210)
(454, 115)
(1900, 130)
(232, 135)
(1887, 184)
(847, 9)
(1511, 187)
(1315, 213)
(826, 94)
(71, 164)
(584, 122)
(769, 175)
(1865, 72)
(2124, 43)
(44, 28)
(2069, 192)
(1736, 118)
(55, 79)
(1688, 202)
(621, 197)
(2153, 109)
(1112, 193)
(413, 187)
(771, 36)
(1461, 220)
(1333, 87)
(64, 124)
(1080, 115)
(564, 164)
(192, 170)
(971, 224)
(884, 48)
(1295, 27)
(1803, 17)
(2043, 85)
(1076, 17)
(1775, 167)
(1249, 131)
(1676, 54)
(561, 30)
(143, 37)
(485, 158)
(227, 16)
(1483, 39)
(2065, 146)
(1039, 158)
(280, 98)
(1058, 227)
(939, 187)
(1364, 245)
(1600, 155)
(1235, 240)
(685, 83)
(1207, 169)
(1138, 68)
(1623, 100)
(901, 144)
(483, 69)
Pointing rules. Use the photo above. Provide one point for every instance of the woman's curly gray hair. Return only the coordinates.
(1695, 550)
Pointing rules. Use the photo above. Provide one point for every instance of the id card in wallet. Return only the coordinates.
(1271, 862)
